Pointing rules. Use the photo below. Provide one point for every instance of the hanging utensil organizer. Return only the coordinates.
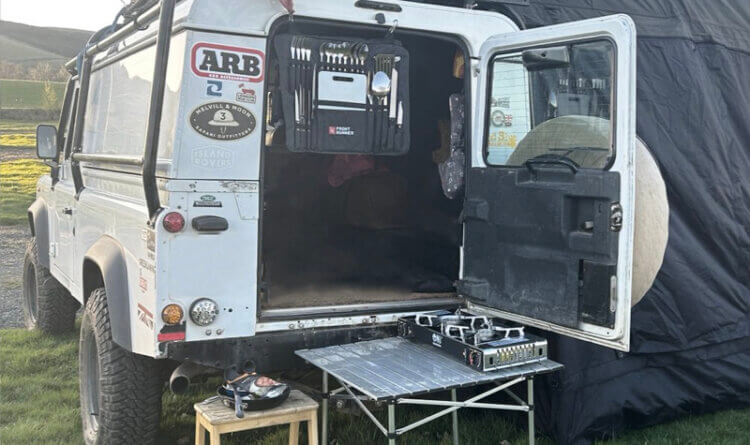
(343, 95)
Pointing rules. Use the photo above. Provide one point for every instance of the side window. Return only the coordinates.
(552, 102)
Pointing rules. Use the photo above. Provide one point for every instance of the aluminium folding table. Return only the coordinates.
(397, 371)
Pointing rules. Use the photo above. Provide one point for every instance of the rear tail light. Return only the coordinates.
(173, 222)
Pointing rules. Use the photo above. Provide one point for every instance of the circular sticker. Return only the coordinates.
(498, 118)
(222, 121)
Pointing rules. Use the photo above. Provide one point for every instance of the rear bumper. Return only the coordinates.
(273, 351)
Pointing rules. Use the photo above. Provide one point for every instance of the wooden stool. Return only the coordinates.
(218, 419)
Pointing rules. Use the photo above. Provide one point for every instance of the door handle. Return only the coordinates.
(67, 210)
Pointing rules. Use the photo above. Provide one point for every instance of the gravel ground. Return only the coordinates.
(12, 247)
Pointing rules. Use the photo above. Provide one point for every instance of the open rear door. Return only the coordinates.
(550, 193)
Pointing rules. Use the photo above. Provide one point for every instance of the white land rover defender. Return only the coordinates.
(232, 182)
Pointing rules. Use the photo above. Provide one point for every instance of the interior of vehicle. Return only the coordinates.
(348, 229)
(347, 221)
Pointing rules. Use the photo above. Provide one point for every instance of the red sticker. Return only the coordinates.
(227, 62)
(170, 336)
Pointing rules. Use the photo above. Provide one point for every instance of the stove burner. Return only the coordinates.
(483, 335)
(457, 331)
(508, 332)
(482, 342)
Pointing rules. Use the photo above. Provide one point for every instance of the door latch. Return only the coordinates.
(615, 217)
(67, 210)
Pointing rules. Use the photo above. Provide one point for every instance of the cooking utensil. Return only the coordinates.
(238, 403)
(251, 391)
(381, 85)
(394, 95)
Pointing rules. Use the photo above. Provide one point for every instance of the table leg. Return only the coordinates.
(294, 433)
(455, 418)
(392, 422)
(530, 392)
(324, 411)
(312, 429)
(200, 433)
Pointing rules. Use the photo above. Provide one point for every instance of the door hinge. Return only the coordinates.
(53, 250)
(615, 217)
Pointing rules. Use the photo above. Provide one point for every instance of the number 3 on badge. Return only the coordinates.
(214, 88)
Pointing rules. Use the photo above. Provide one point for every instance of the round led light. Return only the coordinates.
(203, 312)
(172, 314)
(173, 222)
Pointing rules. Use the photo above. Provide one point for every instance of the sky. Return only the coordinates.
(89, 15)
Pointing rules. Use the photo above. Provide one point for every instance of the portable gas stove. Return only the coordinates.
(481, 342)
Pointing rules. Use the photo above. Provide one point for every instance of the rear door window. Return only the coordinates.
(552, 102)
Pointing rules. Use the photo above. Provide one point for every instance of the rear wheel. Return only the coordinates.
(47, 305)
(120, 391)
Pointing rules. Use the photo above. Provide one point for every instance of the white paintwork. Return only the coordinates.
(621, 30)
(188, 265)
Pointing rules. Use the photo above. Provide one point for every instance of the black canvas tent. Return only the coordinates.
(690, 336)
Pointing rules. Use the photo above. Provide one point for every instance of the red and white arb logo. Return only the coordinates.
(331, 130)
(227, 62)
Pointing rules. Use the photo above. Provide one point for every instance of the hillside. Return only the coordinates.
(20, 43)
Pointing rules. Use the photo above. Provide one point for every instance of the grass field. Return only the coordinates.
(8, 126)
(20, 140)
(39, 404)
(17, 188)
(29, 94)
(19, 134)
(18, 177)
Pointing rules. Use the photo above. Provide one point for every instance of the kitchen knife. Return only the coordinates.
(394, 95)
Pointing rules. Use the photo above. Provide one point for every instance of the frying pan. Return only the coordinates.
(241, 393)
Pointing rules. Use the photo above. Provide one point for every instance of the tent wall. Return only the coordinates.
(690, 337)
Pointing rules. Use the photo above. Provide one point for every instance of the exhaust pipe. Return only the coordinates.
(183, 374)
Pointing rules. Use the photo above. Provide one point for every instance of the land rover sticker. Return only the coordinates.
(207, 201)
(215, 158)
(227, 62)
(222, 121)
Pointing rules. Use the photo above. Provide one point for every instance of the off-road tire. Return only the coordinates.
(120, 391)
(47, 305)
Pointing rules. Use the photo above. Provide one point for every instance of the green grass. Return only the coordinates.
(18, 140)
(8, 126)
(29, 94)
(39, 404)
(17, 188)
(19, 134)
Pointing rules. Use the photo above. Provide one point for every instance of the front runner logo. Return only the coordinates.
(340, 131)
(227, 62)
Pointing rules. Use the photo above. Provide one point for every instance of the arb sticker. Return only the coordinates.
(222, 121)
(227, 62)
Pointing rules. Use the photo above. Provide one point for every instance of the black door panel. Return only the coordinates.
(538, 242)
